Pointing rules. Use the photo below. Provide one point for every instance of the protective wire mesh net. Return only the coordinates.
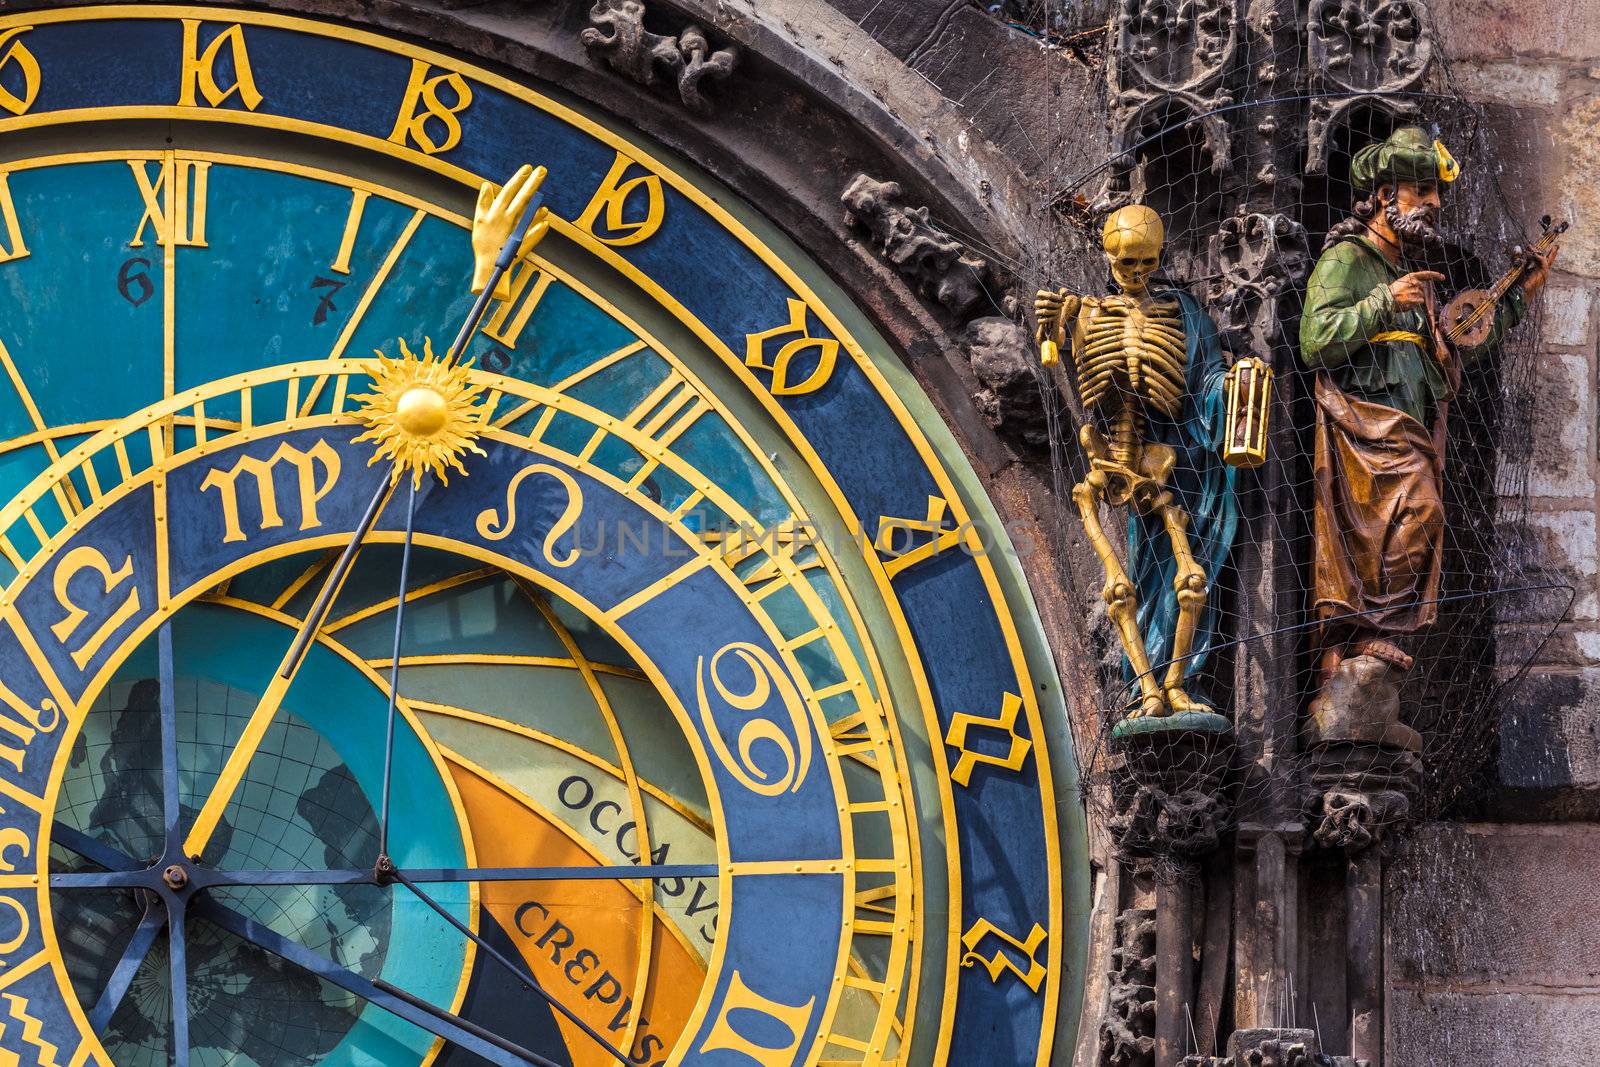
(1424, 585)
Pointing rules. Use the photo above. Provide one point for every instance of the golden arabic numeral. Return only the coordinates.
(88, 558)
(422, 105)
(199, 74)
(19, 58)
(608, 208)
(725, 1036)
(793, 745)
(11, 243)
(310, 487)
(174, 200)
(785, 361)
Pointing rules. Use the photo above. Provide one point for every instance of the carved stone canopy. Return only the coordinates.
(1364, 54)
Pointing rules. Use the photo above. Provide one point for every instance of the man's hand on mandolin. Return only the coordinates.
(1411, 290)
(1539, 265)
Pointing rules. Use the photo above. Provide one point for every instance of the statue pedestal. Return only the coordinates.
(1167, 783)
(1169, 775)
(1361, 702)
(1365, 764)
(1365, 768)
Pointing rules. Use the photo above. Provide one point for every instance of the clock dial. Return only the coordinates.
(715, 737)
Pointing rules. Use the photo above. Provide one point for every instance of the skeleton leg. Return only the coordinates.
(1190, 586)
(1121, 603)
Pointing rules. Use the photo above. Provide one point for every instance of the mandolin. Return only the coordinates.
(1469, 317)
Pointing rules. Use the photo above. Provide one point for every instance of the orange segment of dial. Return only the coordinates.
(579, 937)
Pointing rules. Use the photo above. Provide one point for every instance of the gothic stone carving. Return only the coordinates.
(939, 265)
(1127, 1033)
(1002, 359)
(1261, 258)
(1362, 52)
(1354, 820)
(1184, 824)
(1169, 57)
(1361, 792)
(617, 33)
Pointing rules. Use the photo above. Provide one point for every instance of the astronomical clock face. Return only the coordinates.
(703, 721)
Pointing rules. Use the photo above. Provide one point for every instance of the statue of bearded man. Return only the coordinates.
(1384, 375)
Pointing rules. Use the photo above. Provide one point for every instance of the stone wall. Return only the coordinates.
(1537, 65)
(1490, 953)
(1490, 944)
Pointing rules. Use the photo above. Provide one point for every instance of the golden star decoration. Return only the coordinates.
(422, 413)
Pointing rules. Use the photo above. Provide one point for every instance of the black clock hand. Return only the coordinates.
(508, 223)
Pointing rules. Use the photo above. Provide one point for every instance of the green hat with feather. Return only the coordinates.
(1409, 155)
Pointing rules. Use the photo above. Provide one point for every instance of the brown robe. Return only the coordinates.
(1379, 515)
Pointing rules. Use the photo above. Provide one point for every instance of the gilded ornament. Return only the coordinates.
(422, 414)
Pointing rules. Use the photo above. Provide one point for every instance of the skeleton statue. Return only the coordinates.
(1150, 375)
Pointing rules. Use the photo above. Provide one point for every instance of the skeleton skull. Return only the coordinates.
(1132, 238)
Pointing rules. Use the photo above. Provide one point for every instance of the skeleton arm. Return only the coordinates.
(1054, 310)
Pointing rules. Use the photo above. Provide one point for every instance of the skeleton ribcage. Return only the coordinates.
(1130, 357)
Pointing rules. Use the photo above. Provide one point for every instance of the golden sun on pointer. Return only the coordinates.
(422, 414)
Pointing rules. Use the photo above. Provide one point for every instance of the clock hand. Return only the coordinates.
(208, 879)
(507, 224)
(205, 823)
(453, 1028)
(394, 677)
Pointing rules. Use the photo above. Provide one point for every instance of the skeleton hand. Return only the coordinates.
(1053, 310)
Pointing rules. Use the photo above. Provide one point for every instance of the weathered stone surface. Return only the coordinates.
(1516, 82)
(1578, 142)
(1493, 29)
(1012, 400)
(1524, 1027)
(1550, 732)
(1559, 545)
(1568, 314)
(1562, 463)
(1479, 905)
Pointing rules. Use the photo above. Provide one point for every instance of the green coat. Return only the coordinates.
(1348, 301)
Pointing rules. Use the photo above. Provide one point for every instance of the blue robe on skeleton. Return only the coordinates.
(1203, 486)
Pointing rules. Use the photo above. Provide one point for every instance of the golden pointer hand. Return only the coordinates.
(495, 221)
(503, 231)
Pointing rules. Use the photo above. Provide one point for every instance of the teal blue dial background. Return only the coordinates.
(222, 646)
